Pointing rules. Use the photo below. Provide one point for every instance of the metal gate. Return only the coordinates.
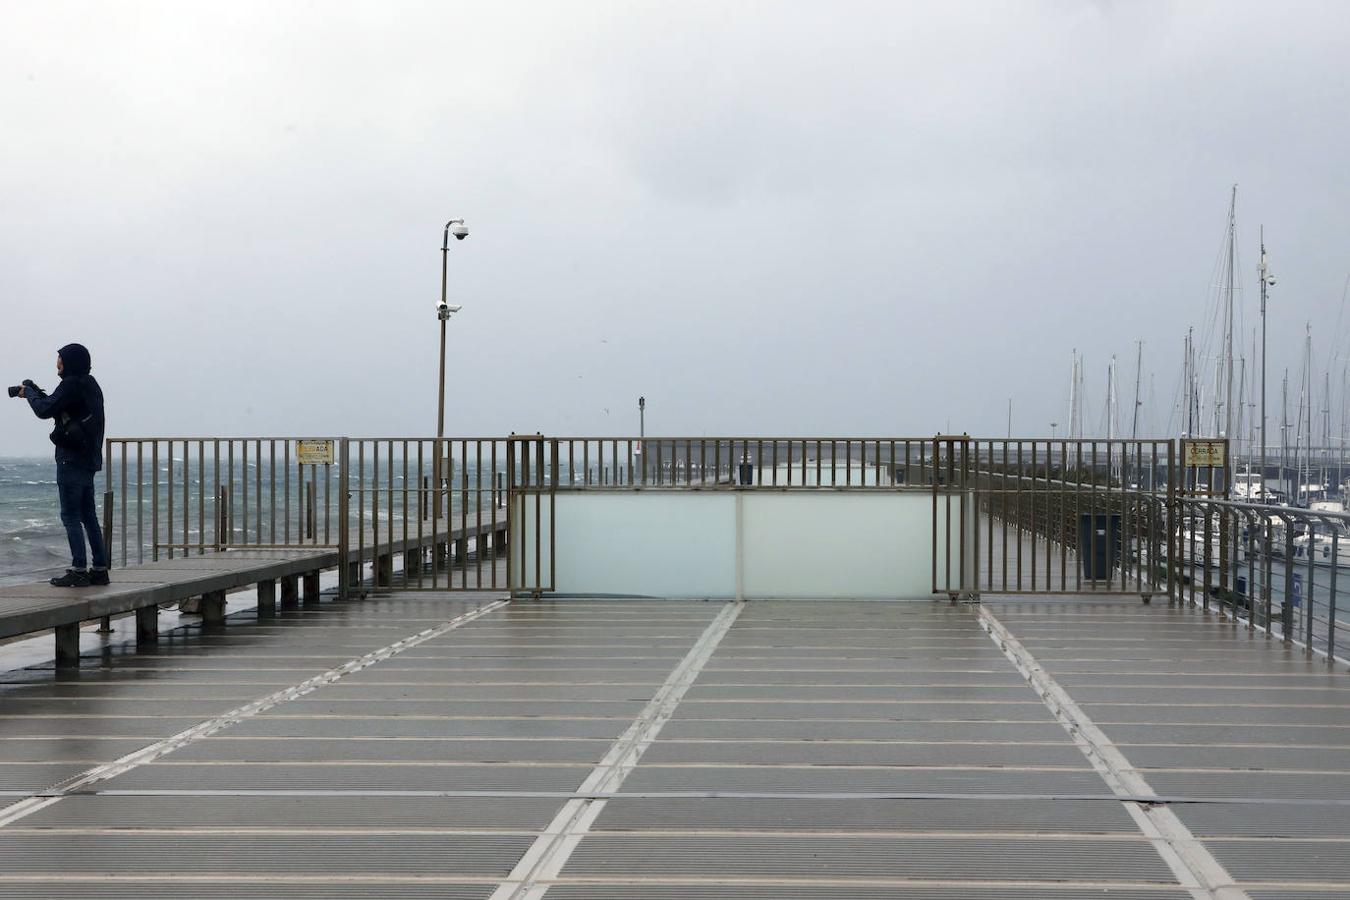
(1062, 516)
(438, 506)
(532, 479)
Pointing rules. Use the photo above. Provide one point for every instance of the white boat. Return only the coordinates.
(1319, 544)
(1249, 488)
(1321, 547)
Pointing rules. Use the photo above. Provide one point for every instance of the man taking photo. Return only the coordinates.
(77, 408)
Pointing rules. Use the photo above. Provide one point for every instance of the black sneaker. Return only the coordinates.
(72, 578)
(98, 576)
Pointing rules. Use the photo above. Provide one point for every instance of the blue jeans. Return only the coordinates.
(80, 516)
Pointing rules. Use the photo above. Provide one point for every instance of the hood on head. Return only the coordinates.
(75, 359)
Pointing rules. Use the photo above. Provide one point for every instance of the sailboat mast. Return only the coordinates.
(1264, 272)
(1242, 402)
(1345, 416)
(1111, 417)
(1079, 410)
(1308, 376)
(1220, 429)
(1073, 387)
(1326, 423)
(1111, 399)
(1284, 430)
(1138, 373)
(1185, 385)
(1228, 318)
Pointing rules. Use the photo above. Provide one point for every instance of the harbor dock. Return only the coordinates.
(984, 738)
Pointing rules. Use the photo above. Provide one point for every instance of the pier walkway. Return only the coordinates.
(420, 745)
(211, 574)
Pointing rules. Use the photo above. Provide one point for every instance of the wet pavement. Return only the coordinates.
(457, 746)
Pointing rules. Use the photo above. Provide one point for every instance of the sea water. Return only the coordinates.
(33, 542)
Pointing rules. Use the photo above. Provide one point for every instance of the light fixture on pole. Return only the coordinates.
(443, 312)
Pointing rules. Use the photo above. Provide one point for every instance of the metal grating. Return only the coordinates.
(861, 780)
(267, 889)
(649, 890)
(1266, 819)
(86, 812)
(970, 814)
(830, 858)
(279, 854)
(1287, 862)
(844, 753)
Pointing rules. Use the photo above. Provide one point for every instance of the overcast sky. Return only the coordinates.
(769, 218)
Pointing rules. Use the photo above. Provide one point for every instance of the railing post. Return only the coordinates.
(220, 518)
(1171, 522)
(344, 523)
(511, 548)
(1287, 609)
(1331, 598)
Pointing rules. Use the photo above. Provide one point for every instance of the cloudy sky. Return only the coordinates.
(769, 218)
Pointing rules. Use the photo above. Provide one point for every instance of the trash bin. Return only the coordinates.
(1098, 544)
(746, 471)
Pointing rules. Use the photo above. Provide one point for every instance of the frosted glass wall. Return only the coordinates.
(827, 544)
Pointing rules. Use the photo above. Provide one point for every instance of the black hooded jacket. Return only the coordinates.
(77, 407)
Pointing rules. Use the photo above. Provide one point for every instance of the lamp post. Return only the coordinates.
(443, 312)
(642, 434)
(1053, 426)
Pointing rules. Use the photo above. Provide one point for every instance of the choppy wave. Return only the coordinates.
(32, 538)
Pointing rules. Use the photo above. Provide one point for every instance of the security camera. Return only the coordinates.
(1270, 280)
(459, 230)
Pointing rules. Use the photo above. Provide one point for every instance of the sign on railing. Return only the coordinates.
(314, 453)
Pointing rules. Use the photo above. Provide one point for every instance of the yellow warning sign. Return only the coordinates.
(1204, 453)
(314, 453)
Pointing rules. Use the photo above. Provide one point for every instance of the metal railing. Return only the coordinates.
(181, 496)
(1068, 516)
(439, 503)
(1280, 569)
(171, 497)
(712, 462)
(1034, 515)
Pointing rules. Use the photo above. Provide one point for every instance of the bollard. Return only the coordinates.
(213, 609)
(290, 597)
(147, 625)
(68, 646)
(267, 598)
(311, 586)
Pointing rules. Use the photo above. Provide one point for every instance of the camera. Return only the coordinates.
(14, 389)
(459, 230)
